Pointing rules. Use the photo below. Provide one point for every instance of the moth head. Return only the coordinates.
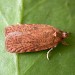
(65, 34)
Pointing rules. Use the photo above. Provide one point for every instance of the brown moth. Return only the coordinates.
(32, 37)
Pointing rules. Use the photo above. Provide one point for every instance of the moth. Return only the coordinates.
(22, 38)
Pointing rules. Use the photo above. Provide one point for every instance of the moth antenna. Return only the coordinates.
(48, 53)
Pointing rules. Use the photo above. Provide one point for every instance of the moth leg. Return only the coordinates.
(65, 43)
(48, 53)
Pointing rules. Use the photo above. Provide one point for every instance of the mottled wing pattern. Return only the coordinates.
(31, 37)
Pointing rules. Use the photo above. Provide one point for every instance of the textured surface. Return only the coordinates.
(61, 14)
(31, 37)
